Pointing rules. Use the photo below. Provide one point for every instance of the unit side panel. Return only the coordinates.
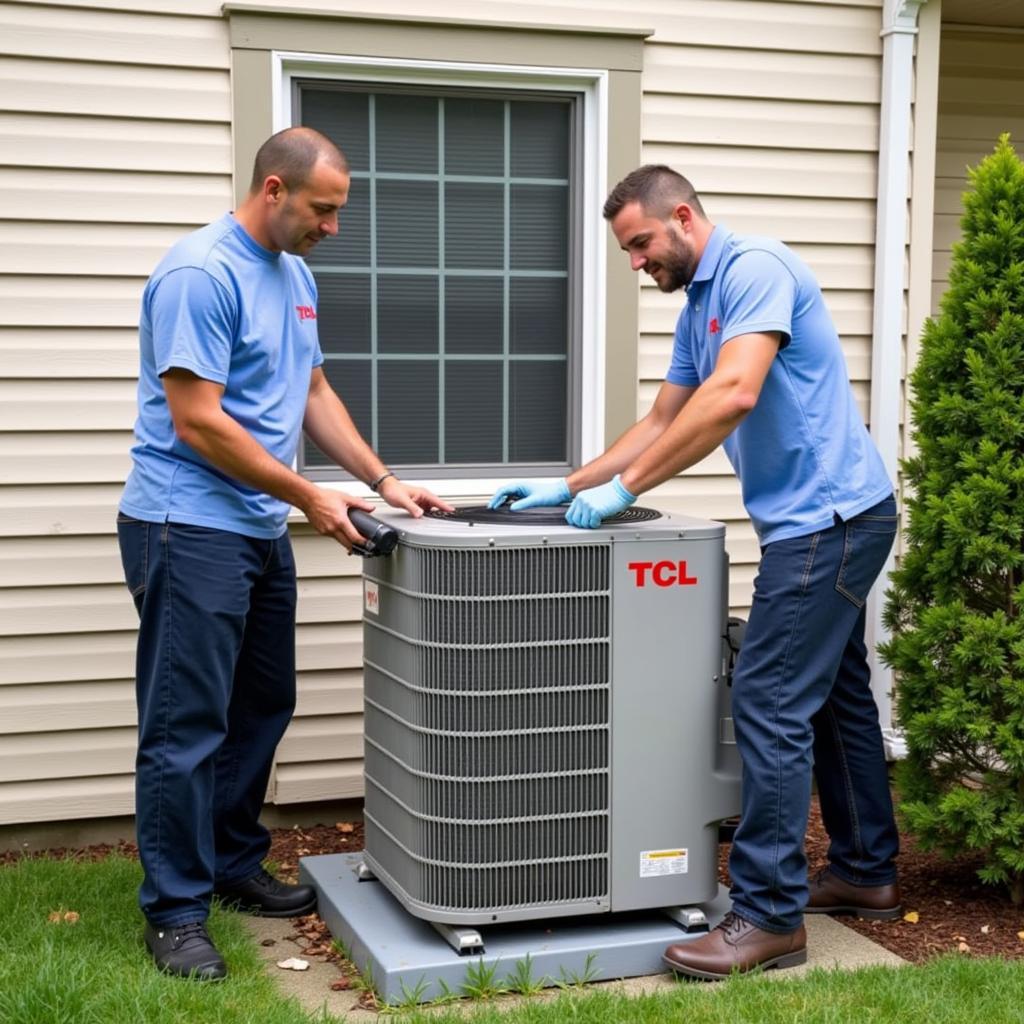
(667, 600)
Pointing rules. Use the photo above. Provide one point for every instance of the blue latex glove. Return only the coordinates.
(531, 493)
(589, 507)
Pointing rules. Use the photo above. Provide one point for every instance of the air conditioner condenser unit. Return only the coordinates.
(547, 714)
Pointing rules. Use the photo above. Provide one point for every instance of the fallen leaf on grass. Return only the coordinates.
(912, 917)
(964, 948)
(293, 963)
(63, 916)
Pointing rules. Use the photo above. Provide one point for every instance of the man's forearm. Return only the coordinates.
(329, 426)
(621, 454)
(226, 444)
(711, 415)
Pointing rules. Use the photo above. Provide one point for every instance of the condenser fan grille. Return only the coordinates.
(545, 516)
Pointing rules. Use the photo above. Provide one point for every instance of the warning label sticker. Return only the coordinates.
(371, 597)
(662, 862)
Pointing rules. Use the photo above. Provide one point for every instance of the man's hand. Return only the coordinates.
(327, 512)
(532, 493)
(415, 500)
(591, 506)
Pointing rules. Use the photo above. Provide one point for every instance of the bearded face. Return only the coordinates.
(675, 267)
(660, 248)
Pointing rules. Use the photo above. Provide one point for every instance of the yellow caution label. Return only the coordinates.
(656, 863)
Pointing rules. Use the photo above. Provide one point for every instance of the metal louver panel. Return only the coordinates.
(487, 731)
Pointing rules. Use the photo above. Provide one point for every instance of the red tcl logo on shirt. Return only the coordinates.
(306, 312)
(662, 574)
(714, 327)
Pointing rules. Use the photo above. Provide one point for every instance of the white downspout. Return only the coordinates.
(899, 27)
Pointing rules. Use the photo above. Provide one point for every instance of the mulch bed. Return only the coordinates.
(950, 910)
(954, 911)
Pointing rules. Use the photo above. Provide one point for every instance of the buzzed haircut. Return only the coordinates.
(657, 188)
(292, 154)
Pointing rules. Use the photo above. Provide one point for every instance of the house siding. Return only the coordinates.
(115, 140)
(981, 95)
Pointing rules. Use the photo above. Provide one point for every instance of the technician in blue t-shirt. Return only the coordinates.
(230, 376)
(757, 367)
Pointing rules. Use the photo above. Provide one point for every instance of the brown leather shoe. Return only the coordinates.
(831, 895)
(737, 946)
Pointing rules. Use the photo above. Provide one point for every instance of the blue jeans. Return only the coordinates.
(801, 692)
(215, 684)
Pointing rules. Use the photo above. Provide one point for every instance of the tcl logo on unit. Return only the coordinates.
(662, 574)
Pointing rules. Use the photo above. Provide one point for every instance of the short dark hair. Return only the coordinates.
(657, 188)
(292, 154)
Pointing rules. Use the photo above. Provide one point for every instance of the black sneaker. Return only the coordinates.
(185, 950)
(264, 896)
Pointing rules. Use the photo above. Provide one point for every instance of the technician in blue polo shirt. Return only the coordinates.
(230, 376)
(757, 367)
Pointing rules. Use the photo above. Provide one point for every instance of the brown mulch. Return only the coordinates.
(954, 911)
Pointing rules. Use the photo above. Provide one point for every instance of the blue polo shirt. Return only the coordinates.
(803, 454)
(234, 313)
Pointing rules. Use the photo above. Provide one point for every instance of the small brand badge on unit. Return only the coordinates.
(654, 863)
(371, 597)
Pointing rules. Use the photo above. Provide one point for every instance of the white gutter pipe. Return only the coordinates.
(899, 27)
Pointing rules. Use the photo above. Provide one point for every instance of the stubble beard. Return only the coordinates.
(679, 267)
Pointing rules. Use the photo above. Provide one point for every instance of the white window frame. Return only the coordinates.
(593, 85)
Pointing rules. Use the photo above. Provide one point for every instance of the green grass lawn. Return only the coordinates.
(948, 991)
(96, 971)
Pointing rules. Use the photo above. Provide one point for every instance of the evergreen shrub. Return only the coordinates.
(955, 605)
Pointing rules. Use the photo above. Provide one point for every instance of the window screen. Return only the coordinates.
(446, 302)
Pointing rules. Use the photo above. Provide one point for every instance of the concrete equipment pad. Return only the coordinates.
(405, 954)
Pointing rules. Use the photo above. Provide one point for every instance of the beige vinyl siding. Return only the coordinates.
(981, 95)
(115, 140)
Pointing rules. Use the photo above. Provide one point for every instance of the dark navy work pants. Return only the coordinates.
(215, 683)
(801, 694)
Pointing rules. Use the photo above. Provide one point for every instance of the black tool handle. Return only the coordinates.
(380, 537)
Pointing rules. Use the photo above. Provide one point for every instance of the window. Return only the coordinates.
(280, 57)
(448, 302)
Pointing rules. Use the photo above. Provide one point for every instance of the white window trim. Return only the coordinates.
(593, 84)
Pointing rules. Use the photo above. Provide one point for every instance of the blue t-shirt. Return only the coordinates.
(232, 312)
(802, 454)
